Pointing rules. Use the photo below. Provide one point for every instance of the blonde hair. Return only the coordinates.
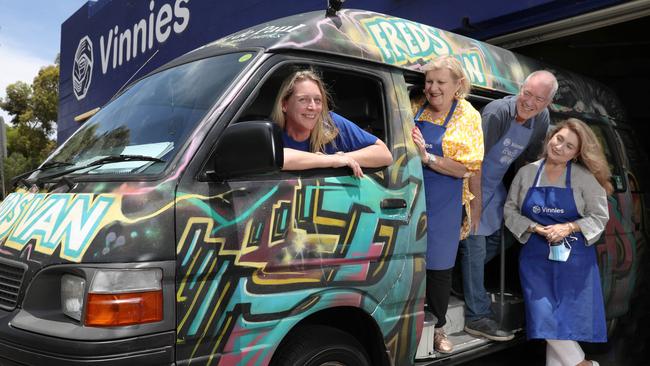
(325, 130)
(591, 153)
(452, 64)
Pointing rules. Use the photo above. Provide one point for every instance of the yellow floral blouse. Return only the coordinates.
(463, 142)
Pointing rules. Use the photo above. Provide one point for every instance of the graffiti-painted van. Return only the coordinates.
(164, 232)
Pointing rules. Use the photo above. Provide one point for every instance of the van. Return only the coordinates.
(163, 231)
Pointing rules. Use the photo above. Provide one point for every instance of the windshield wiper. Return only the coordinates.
(52, 164)
(101, 161)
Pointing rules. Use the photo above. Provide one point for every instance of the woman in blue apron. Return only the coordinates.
(558, 207)
(450, 142)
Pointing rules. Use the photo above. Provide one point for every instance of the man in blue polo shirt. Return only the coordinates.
(512, 127)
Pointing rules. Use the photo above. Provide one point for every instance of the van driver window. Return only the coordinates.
(322, 127)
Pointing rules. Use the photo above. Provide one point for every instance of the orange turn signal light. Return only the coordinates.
(109, 310)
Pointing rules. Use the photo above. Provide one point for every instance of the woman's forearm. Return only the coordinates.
(301, 160)
(447, 166)
(373, 156)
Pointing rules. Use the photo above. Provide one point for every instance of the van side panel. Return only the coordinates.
(253, 259)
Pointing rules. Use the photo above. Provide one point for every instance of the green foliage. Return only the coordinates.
(34, 110)
(14, 164)
(17, 100)
(45, 97)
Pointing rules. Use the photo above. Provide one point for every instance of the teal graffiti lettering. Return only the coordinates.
(61, 219)
(474, 68)
(10, 210)
(402, 41)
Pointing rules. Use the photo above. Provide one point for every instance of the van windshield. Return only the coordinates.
(141, 130)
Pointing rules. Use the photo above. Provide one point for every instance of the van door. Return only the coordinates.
(258, 254)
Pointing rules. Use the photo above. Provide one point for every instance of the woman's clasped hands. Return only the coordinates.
(554, 233)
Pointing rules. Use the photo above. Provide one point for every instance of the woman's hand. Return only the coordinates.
(418, 139)
(340, 159)
(441, 164)
(557, 232)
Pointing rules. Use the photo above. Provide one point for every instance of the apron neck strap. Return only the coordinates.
(449, 115)
(451, 112)
(426, 103)
(567, 180)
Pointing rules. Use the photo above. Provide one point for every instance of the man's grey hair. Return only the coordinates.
(548, 75)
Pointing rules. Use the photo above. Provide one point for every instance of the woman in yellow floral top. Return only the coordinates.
(449, 138)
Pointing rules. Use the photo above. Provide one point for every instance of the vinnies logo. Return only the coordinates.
(118, 47)
(547, 210)
(82, 69)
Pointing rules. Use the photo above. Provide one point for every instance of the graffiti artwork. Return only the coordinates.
(251, 259)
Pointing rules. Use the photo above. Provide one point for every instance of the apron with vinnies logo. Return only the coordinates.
(495, 165)
(444, 195)
(563, 299)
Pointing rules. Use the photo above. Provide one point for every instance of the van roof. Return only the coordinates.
(405, 44)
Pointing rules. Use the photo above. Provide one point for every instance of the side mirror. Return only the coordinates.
(247, 148)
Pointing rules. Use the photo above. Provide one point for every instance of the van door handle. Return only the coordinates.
(392, 203)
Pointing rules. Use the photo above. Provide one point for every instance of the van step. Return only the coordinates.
(511, 314)
(462, 342)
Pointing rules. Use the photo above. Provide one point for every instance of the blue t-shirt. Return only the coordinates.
(350, 138)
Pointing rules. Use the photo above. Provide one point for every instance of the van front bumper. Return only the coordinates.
(18, 347)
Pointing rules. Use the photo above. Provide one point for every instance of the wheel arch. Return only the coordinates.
(351, 320)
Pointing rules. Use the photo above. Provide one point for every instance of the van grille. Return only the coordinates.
(11, 278)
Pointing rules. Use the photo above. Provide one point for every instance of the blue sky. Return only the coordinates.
(30, 35)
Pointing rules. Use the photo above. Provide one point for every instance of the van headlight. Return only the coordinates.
(72, 295)
(115, 297)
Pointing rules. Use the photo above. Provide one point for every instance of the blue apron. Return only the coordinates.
(495, 165)
(563, 300)
(443, 197)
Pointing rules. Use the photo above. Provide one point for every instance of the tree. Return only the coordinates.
(34, 110)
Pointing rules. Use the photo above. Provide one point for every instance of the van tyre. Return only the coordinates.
(319, 345)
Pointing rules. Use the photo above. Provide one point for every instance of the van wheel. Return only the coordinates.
(318, 345)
